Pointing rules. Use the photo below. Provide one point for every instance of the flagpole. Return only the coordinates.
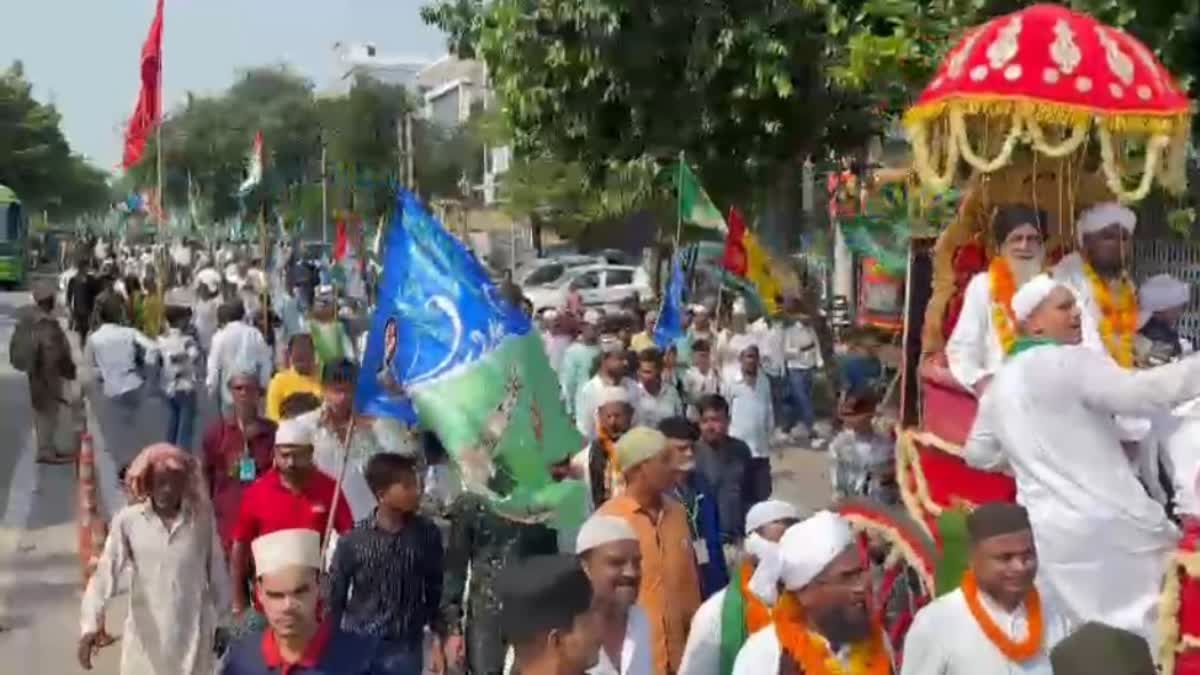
(324, 198)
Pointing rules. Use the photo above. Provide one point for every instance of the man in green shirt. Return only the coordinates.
(580, 358)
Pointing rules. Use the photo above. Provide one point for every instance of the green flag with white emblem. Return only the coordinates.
(695, 208)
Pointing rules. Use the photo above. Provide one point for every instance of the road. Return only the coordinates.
(40, 581)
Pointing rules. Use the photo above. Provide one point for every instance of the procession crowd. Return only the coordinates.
(301, 537)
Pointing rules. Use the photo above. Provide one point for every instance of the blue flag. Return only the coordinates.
(669, 327)
(447, 348)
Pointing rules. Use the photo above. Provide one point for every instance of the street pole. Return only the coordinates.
(324, 199)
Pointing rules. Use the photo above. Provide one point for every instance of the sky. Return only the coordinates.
(82, 55)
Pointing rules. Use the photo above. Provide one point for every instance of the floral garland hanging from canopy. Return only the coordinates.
(1048, 77)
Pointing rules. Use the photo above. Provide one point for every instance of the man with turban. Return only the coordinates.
(985, 327)
(613, 372)
(822, 613)
(1162, 300)
(997, 621)
(725, 620)
(670, 585)
(597, 462)
(1099, 275)
(178, 589)
(1102, 542)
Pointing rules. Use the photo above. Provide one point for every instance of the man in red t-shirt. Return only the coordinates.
(293, 494)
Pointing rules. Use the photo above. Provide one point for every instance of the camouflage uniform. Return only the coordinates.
(486, 543)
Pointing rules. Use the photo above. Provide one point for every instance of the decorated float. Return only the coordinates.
(1045, 107)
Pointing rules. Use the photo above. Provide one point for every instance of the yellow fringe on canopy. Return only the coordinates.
(900, 547)
(1065, 114)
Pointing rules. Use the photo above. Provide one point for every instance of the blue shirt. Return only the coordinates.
(338, 653)
(701, 506)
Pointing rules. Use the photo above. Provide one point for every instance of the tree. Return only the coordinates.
(35, 159)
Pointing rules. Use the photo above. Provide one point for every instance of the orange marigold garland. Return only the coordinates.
(758, 615)
(1002, 286)
(811, 652)
(1018, 652)
(1118, 316)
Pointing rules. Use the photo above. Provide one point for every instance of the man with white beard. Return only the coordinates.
(986, 329)
(1103, 544)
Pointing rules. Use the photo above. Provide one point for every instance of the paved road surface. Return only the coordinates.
(39, 566)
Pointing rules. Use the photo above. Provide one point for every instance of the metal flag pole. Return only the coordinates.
(324, 198)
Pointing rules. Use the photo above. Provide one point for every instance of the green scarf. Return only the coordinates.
(733, 623)
(1024, 342)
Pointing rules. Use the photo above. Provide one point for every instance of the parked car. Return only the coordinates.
(601, 285)
(550, 271)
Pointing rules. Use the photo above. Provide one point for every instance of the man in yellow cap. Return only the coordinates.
(670, 586)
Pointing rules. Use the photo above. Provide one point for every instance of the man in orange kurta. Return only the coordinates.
(670, 588)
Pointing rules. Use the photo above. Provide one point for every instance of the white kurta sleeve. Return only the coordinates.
(966, 350)
(1107, 387)
(103, 585)
(218, 573)
(213, 379)
(922, 655)
(982, 449)
(585, 411)
(702, 655)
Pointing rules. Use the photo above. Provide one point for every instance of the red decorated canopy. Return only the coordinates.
(1053, 74)
(1050, 54)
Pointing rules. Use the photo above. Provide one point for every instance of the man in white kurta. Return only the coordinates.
(706, 653)
(974, 351)
(946, 638)
(612, 372)
(178, 587)
(817, 553)
(1048, 416)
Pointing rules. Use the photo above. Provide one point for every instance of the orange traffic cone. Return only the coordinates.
(93, 529)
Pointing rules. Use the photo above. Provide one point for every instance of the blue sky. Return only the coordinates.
(83, 54)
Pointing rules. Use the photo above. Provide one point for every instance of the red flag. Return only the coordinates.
(734, 258)
(148, 111)
(341, 242)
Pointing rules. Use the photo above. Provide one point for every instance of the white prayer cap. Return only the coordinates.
(1031, 294)
(739, 307)
(1161, 292)
(600, 530)
(739, 343)
(767, 512)
(1104, 215)
(550, 315)
(591, 317)
(294, 432)
(700, 310)
(286, 548)
(805, 550)
(611, 393)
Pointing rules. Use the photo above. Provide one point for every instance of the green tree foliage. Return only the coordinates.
(206, 143)
(35, 159)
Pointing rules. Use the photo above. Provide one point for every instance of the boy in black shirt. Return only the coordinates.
(386, 577)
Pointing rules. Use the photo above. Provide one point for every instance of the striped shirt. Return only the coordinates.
(388, 585)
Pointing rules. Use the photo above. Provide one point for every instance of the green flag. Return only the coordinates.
(695, 208)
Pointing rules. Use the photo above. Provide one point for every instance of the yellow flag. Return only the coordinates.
(759, 272)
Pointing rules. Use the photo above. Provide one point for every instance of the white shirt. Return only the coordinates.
(113, 351)
(1180, 434)
(801, 349)
(702, 655)
(697, 385)
(370, 437)
(210, 277)
(770, 339)
(974, 351)
(636, 656)
(587, 400)
(178, 587)
(1048, 415)
(945, 639)
(238, 346)
(751, 415)
(651, 409)
(761, 653)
